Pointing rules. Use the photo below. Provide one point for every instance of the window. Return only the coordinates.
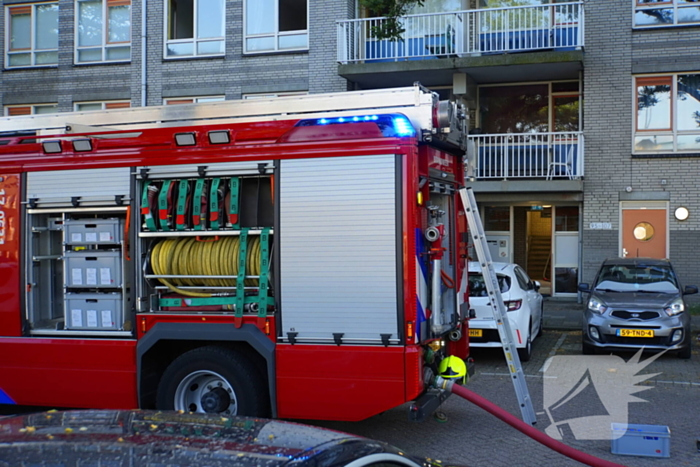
(32, 35)
(194, 28)
(193, 100)
(668, 113)
(271, 95)
(276, 25)
(103, 31)
(653, 13)
(107, 105)
(35, 109)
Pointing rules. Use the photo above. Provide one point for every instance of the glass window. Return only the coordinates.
(195, 28)
(103, 31)
(668, 113)
(276, 25)
(193, 100)
(34, 109)
(654, 13)
(514, 109)
(477, 284)
(32, 35)
(106, 105)
(566, 219)
(497, 218)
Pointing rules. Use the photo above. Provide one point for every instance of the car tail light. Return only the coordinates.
(513, 305)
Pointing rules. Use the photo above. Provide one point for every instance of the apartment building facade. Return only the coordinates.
(584, 115)
(69, 55)
(585, 122)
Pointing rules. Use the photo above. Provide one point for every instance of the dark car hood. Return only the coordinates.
(172, 438)
(636, 300)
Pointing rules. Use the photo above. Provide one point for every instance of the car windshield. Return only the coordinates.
(477, 285)
(636, 278)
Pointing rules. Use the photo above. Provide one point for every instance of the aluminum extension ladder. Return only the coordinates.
(496, 301)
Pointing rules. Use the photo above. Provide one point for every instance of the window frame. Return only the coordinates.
(271, 95)
(675, 5)
(105, 43)
(194, 99)
(195, 41)
(32, 107)
(32, 50)
(276, 34)
(106, 105)
(674, 132)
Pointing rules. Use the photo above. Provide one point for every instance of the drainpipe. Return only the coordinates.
(144, 5)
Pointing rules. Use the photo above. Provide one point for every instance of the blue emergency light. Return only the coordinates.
(392, 125)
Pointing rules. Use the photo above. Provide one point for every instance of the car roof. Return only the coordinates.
(475, 266)
(637, 262)
(173, 438)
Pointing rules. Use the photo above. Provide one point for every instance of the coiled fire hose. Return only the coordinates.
(191, 256)
(523, 427)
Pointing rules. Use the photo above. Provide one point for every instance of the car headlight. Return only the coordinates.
(596, 305)
(675, 307)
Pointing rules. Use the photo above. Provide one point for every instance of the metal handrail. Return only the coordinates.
(467, 32)
(549, 155)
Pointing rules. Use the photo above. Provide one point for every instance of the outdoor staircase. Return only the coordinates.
(538, 257)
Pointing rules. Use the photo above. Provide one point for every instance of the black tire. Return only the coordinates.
(587, 349)
(526, 352)
(213, 380)
(685, 353)
(539, 332)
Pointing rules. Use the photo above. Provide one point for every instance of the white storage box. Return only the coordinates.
(92, 231)
(96, 312)
(93, 269)
(641, 440)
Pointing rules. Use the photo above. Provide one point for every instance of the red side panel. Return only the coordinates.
(9, 256)
(322, 382)
(77, 373)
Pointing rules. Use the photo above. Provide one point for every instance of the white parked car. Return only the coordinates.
(521, 298)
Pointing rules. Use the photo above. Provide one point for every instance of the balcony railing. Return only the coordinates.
(461, 33)
(557, 155)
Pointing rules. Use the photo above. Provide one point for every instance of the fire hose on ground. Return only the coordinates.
(523, 427)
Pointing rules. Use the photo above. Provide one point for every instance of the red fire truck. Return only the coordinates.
(298, 257)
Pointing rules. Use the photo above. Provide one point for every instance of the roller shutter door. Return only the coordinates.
(338, 248)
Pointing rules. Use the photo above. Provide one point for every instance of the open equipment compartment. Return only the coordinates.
(206, 238)
(76, 276)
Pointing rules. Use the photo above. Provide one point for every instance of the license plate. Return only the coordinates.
(635, 332)
(476, 332)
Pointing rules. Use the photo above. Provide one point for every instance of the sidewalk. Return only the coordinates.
(560, 313)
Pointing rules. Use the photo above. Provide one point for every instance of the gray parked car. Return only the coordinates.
(635, 303)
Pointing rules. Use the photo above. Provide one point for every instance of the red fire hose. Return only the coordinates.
(527, 429)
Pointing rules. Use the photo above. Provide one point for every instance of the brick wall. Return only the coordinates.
(234, 74)
(614, 53)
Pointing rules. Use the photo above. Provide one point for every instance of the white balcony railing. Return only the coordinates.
(461, 33)
(557, 155)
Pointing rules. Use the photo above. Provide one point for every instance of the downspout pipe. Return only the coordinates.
(144, 37)
(523, 427)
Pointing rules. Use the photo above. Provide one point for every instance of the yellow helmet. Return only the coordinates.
(453, 368)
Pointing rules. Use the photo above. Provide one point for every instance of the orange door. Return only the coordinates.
(644, 233)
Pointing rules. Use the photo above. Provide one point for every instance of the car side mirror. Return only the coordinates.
(584, 287)
(690, 290)
(537, 285)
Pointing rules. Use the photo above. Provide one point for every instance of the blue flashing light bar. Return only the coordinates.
(391, 125)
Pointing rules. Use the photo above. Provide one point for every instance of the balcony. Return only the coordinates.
(556, 26)
(527, 156)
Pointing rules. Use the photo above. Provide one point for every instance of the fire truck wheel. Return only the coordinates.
(212, 380)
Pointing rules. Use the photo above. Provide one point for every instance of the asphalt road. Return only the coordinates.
(473, 437)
